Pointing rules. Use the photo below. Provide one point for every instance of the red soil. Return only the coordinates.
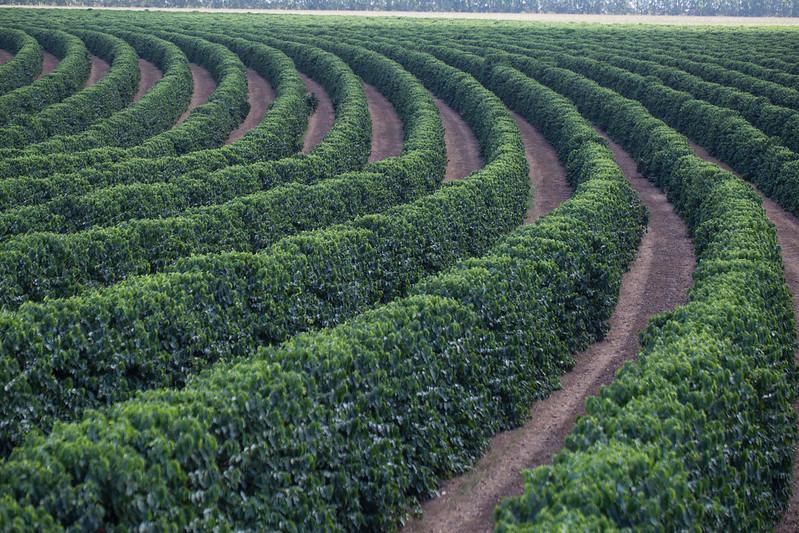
(787, 227)
(463, 150)
(657, 281)
(547, 175)
(204, 86)
(260, 95)
(322, 119)
(49, 63)
(387, 133)
(98, 70)
(150, 75)
(5, 56)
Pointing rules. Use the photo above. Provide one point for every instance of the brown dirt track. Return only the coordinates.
(98, 70)
(49, 63)
(322, 119)
(204, 86)
(788, 237)
(5, 56)
(657, 281)
(387, 132)
(260, 95)
(547, 175)
(149, 76)
(463, 150)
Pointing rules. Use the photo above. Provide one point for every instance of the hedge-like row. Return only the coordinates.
(76, 112)
(345, 147)
(216, 306)
(698, 433)
(278, 135)
(346, 428)
(776, 93)
(765, 60)
(751, 69)
(760, 158)
(772, 167)
(209, 125)
(760, 58)
(49, 265)
(67, 78)
(26, 63)
(772, 119)
(157, 110)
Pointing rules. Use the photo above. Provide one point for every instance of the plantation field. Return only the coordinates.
(284, 273)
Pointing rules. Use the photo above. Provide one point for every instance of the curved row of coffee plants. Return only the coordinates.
(112, 93)
(112, 205)
(680, 452)
(26, 63)
(208, 125)
(66, 79)
(155, 112)
(739, 280)
(222, 305)
(764, 57)
(762, 159)
(243, 337)
(277, 136)
(771, 166)
(772, 119)
(250, 223)
(564, 271)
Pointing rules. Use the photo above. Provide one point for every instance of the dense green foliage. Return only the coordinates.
(693, 448)
(26, 63)
(206, 336)
(250, 295)
(156, 111)
(563, 271)
(68, 76)
(113, 92)
(251, 223)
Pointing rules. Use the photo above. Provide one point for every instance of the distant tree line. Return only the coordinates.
(748, 8)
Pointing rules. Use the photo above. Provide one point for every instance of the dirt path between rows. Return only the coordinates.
(463, 150)
(98, 70)
(204, 86)
(5, 56)
(49, 63)
(387, 132)
(322, 119)
(547, 175)
(658, 280)
(260, 95)
(149, 76)
(788, 237)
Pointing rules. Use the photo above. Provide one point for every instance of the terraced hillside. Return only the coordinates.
(306, 274)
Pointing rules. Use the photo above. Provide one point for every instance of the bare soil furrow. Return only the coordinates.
(260, 95)
(547, 175)
(149, 76)
(387, 133)
(658, 280)
(98, 70)
(49, 63)
(322, 119)
(463, 150)
(204, 86)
